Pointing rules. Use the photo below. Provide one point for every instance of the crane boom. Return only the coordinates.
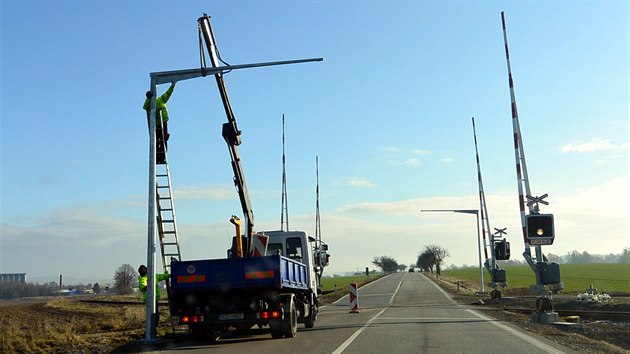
(230, 132)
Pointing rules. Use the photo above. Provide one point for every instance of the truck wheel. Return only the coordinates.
(208, 333)
(289, 327)
(276, 329)
(312, 317)
(213, 334)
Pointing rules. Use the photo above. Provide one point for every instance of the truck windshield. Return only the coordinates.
(274, 249)
(294, 248)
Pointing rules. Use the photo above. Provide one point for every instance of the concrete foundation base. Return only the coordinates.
(545, 317)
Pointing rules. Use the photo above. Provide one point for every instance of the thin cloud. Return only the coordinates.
(401, 156)
(609, 159)
(203, 192)
(414, 161)
(391, 149)
(410, 207)
(447, 160)
(420, 152)
(596, 144)
(387, 225)
(359, 183)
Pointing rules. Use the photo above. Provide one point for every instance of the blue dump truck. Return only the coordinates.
(278, 289)
(275, 286)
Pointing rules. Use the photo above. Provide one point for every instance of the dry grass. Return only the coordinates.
(65, 325)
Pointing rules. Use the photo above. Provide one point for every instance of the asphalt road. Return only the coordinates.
(400, 313)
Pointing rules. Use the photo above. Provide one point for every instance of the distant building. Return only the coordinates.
(13, 277)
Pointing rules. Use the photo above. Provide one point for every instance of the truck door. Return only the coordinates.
(294, 248)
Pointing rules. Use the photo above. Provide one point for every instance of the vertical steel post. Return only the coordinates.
(284, 212)
(481, 287)
(152, 229)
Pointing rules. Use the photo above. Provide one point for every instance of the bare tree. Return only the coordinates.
(387, 264)
(425, 262)
(432, 255)
(125, 279)
(439, 254)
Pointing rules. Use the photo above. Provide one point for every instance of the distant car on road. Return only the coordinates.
(411, 270)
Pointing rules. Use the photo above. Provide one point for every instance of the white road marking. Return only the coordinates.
(448, 319)
(391, 301)
(364, 286)
(525, 337)
(349, 341)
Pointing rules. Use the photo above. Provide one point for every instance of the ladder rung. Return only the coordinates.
(166, 186)
(163, 221)
(172, 254)
(162, 175)
(166, 209)
(168, 232)
(170, 243)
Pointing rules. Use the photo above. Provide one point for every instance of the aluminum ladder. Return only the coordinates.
(166, 221)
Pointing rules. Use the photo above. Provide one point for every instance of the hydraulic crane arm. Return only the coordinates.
(230, 132)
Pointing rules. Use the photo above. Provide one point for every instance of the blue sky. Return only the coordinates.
(388, 112)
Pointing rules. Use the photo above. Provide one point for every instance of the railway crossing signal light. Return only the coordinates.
(502, 250)
(540, 229)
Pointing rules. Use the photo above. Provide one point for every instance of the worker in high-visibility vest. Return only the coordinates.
(161, 112)
(143, 282)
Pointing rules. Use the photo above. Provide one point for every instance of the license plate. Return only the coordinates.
(231, 316)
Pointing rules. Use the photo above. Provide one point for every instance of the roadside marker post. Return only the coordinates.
(354, 298)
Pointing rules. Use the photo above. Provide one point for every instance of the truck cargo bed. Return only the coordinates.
(268, 272)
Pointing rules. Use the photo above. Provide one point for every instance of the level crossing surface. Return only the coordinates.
(399, 313)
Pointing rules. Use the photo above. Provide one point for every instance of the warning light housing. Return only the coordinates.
(502, 250)
(540, 229)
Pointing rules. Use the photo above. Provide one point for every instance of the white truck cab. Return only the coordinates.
(299, 246)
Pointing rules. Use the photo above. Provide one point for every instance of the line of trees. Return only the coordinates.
(12, 290)
(576, 257)
(573, 257)
(388, 264)
(432, 256)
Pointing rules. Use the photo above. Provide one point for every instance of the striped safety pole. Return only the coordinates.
(354, 298)
(485, 222)
(519, 154)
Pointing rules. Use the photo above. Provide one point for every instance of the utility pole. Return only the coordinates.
(284, 212)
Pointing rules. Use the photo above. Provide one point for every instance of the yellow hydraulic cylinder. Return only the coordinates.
(239, 240)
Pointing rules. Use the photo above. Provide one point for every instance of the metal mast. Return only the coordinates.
(318, 231)
(497, 275)
(284, 211)
(485, 222)
(546, 273)
(519, 152)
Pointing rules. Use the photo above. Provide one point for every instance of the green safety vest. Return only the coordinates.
(143, 283)
(160, 106)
